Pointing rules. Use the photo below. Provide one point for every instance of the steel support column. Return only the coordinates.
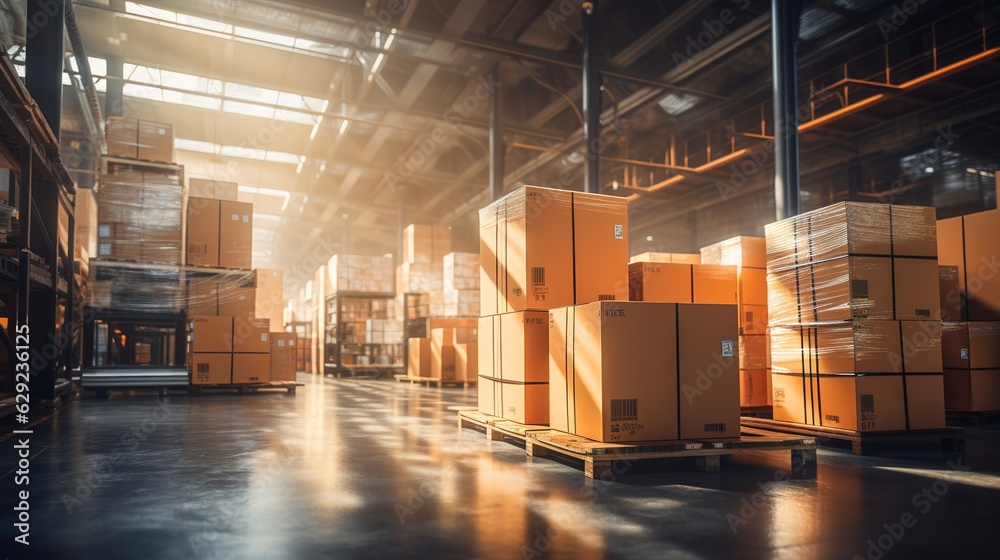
(496, 140)
(43, 70)
(784, 34)
(114, 99)
(591, 94)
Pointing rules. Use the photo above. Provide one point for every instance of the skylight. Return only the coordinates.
(243, 152)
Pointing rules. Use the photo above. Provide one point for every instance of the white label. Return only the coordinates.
(104, 231)
(281, 342)
(236, 217)
(263, 337)
(965, 353)
(104, 249)
(246, 219)
(727, 348)
(619, 231)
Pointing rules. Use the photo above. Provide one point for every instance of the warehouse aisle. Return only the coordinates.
(379, 469)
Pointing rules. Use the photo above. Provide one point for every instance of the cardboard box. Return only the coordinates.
(252, 368)
(613, 371)
(925, 401)
(208, 188)
(851, 288)
(917, 289)
(752, 286)
(418, 359)
(708, 365)
(539, 249)
(864, 403)
(486, 401)
(792, 397)
(211, 369)
(846, 228)
(492, 258)
(741, 251)
(202, 232)
(753, 319)
(859, 346)
(921, 345)
(952, 303)
(467, 362)
(282, 363)
(269, 296)
(251, 336)
(442, 354)
(525, 403)
(972, 345)
(237, 301)
(450, 336)
(951, 252)
(86, 220)
(754, 352)
(660, 282)
(235, 234)
(755, 387)
(914, 231)
(714, 283)
(211, 334)
(156, 141)
(981, 234)
(972, 390)
(122, 137)
(522, 346)
(600, 242)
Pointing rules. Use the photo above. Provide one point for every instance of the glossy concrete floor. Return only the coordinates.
(378, 469)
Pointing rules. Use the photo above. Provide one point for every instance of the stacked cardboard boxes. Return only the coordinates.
(682, 283)
(269, 296)
(229, 350)
(139, 216)
(855, 319)
(142, 140)
(540, 249)
(970, 300)
(283, 356)
(383, 331)
(461, 285)
(748, 255)
(460, 334)
(219, 233)
(360, 274)
(422, 268)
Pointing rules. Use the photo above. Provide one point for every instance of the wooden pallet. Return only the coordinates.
(950, 439)
(973, 418)
(244, 388)
(757, 411)
(432, 381)
(605, 460)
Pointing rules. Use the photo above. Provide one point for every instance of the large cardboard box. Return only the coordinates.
(714, 283)
(755, 387)
(492, 258)
(203, 298)
(972, 390)
(849, 288)
(269, 296)
(236, 301)
(211, 368)
(525, 403)
(708, 365)
(486, 401)
(156, 141)
(252, 368)
(914, 231)
(753, 319)
(418, 359)
(251, 336)
(442, 353)
(122, 137)
(917, 289)
(202, 232)
(208, 188)
(211, 334)
(921, 346)
(971, 345)
(859, 346)
(235, 234)
(426, 243)
(522, 347)
(865, 403)
(792, 397)
(925, 401)
(952, 303)
(613, 371)
(951, 252)
(283, 347)
(982, 269)
(741, 251)
(600, 242)
(660, 282)
(539, 249)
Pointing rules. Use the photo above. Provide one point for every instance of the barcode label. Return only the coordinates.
(624, 409)
(718, 427)
(923, 313)
(203, 368)
(619, 231)
(833, 418)
(868, 403)
(605, 297)
(859, 289)
(538, 276)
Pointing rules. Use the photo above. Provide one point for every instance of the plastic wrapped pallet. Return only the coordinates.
(135, 288)
(360, 274)
(139, 216)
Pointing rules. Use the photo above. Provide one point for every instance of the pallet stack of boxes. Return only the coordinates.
(747, 254)
(422, 268)
(461, 285)
(970, 300)
(855, 319)
(560, 344)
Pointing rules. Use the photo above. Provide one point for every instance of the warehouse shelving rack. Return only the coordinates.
(36, 272)
(337, 361)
